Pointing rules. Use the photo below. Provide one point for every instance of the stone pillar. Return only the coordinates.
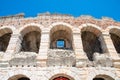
(78, 49)
(44, 46)
(110, 47)
(14, 46)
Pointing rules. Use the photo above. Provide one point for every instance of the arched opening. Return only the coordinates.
(5, 35)
(19, 77)
(61, 49)
(91, 41)
(61, 77)
(63, 33)
(103, 77)
(115, 36)
(31, 42)
(31, 39)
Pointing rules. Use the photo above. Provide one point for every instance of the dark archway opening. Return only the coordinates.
(23, 78)
(31, 42)
(4, 41)
(116, 41)
(98, 79)
(91, 44)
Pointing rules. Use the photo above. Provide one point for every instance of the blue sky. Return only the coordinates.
(95, 8)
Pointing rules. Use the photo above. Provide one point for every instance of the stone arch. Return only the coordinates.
(7, 29)
(61, 30)
(19, 77)
(91, 28)
(61, 23)
(5, 35)
(109, 28)
(114, 32)
(31, 37)
(92, 40)
(104, 74)
(61, 56)
(70, 74)
(28, 28)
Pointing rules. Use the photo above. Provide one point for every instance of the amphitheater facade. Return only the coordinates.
(30, 48)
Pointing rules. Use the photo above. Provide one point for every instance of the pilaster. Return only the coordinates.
(14, 46)
(110, 47)
(78, 48)
(43, 50)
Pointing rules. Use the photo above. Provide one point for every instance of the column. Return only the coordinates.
(78, 49)
(110, 47)
(44, 46)
(14, 46)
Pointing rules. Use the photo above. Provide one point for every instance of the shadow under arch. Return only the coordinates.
(61, 77)
(92, 40)
(5, 35)
(31, 37)
(19, 77)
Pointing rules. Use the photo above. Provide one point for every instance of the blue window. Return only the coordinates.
(60, 43)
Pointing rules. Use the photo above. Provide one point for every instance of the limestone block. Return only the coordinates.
(4, 64)
(116, 64)
(102, 60)
(81, 63)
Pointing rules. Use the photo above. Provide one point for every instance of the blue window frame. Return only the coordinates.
(60, 43)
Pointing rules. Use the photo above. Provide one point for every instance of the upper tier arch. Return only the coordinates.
(30, 27)
(114, 30)
(54, 26)
(7, 29)
(61, 31)
(91, 28)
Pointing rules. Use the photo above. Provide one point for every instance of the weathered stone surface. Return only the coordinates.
(23, 59)
(61, 57)
(42, 60)
(102, 60)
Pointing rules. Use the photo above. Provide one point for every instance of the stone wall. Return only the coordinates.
(85, 36)
(48, 73)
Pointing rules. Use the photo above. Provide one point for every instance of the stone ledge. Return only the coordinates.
(61, 57)
(23, 58)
